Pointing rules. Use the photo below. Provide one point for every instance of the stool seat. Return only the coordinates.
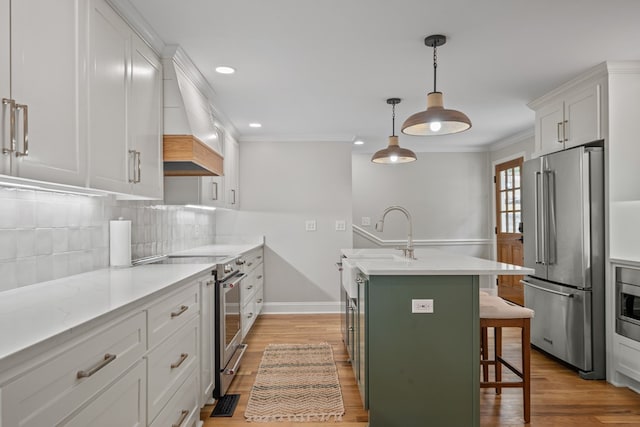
(496, 308)
(496, 313)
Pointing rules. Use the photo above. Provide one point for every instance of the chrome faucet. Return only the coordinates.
(408, 251)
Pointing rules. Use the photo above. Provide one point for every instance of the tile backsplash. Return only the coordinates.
(45, 236)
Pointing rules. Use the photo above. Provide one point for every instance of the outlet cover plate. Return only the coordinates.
(310, 225)
(422, 306)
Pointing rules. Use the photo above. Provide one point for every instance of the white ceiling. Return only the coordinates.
(322, 69)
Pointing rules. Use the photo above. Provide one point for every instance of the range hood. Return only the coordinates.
(192, 142)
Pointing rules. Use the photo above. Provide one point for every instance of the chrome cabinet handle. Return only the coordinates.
(25, 130)
(177, 364)
(214, 190)
(12, 126)
(183, 416)
(259, 277)
(259, 301)
(108, 358)
(132, 175)
(210, 282)
(249, 287)
(559, 139)
(564, 130)
(233, 192)
(138, 155)
(183, 308)
(259, 257)
(249, 316)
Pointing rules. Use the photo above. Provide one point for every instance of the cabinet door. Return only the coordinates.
(122, 404)
(145, 119)
(549, 131)
(109, 160)
(207, 333)
(231, 172)
(582, 116)
(47, 75)
(5, 90)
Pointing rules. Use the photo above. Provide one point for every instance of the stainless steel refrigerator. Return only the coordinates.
(563, 228)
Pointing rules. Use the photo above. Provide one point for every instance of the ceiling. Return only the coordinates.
(321, 70)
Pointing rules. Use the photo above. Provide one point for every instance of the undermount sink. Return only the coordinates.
(350, 271)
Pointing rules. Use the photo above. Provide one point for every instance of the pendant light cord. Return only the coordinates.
(393, 120)
(435, 65)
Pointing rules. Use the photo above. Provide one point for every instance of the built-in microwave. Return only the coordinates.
(628, 302)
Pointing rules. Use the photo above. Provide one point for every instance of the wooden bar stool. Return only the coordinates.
(496, 313)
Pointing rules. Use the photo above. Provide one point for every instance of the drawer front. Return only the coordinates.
(170, 314)
(122, 404)
(50, 392)
(248, 317)
(182, 410)
(259, 298)
(170, 364)
(252, 259)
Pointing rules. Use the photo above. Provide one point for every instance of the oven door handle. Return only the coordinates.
(234, 369)
(229, 284)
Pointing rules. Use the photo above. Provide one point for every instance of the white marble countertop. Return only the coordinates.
(35, 313)
(380, 262)
(218, 250)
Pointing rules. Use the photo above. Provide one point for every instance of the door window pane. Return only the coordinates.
(510, 228)
(516, 200)
(503, 222)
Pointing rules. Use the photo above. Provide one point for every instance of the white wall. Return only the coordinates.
(446, 194)
(283, 184)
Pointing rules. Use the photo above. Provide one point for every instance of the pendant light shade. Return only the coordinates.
(393, 153)
(436, 120)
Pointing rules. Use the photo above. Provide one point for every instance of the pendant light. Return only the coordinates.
(436, 120)
(393, 153)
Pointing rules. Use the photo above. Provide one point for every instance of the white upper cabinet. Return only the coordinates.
(568, 117)
(41, 76)
(232, 172)
(125, 108)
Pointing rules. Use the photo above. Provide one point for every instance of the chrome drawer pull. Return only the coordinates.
(108, 358)
(183, 416)
(260, 277)
(183, 308)
(210, 282)
(250, 315)
(249, 287)
(250, 264)
(183, 357)
(259, 256)
(259, 301)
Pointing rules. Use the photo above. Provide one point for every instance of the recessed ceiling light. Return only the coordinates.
(225, 70)
(358, 142)
(255, 125)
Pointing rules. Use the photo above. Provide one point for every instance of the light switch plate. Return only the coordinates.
(365, 221)
(341, 225)
(422, 306)
(310, 225)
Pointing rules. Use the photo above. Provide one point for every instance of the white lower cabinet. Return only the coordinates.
(252, 291)
(170, 364)
(52, 389)
(122, 404)
(141, 368)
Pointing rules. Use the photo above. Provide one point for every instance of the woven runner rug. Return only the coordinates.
(296, 382)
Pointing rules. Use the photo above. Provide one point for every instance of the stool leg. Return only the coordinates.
(484, 350)
(526, 370)
(497, 336)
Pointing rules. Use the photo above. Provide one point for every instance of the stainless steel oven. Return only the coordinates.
(628, 302)
(229, 348)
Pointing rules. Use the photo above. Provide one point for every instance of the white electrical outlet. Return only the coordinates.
(365, 220)
(341, 225)
(422, 306)
(310, 225)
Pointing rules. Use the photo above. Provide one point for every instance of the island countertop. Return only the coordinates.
(429, 262)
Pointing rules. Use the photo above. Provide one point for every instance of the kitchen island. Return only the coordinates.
(412, 327)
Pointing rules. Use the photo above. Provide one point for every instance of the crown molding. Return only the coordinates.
(136, 21)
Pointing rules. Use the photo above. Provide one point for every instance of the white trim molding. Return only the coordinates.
(420, 242)
(301, 307)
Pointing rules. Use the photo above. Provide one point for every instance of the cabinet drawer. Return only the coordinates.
(50, 392)
(168, 315)
(169, 364)
(259, 299)
(182, 410)
(252, 259)
(249, 315)
(122, 404)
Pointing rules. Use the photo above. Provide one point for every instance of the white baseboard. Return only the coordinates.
(301, 307)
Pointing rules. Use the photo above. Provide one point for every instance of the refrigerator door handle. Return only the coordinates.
(538, 240)
(551, 291)
(552, 247)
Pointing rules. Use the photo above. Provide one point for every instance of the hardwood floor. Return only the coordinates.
(558, 396)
